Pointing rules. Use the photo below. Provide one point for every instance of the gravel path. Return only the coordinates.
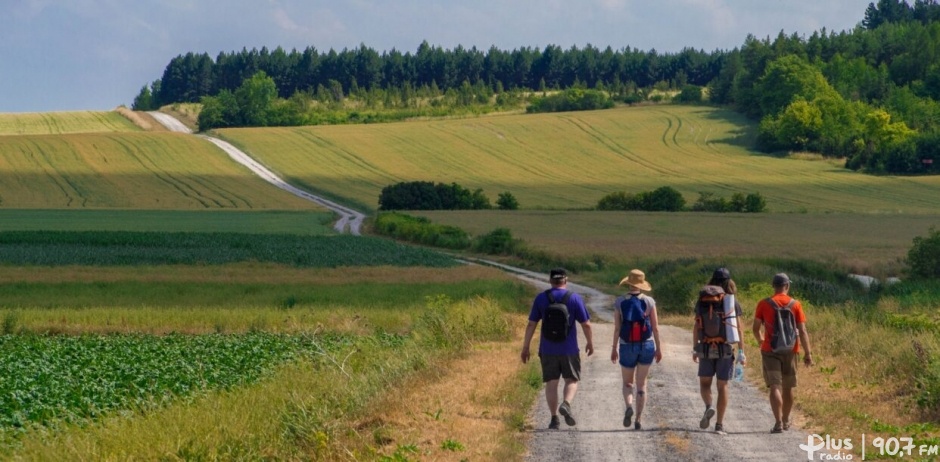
(349, 219)
(674, 407)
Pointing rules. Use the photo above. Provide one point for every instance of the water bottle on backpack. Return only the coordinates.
(739, 367)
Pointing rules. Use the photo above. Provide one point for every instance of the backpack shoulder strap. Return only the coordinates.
(773, 304)
(789, 306)
(551, 299)
(564, 298)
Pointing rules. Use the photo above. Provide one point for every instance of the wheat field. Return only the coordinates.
(571, 160)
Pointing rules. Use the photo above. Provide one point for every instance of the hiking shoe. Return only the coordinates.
(786, 425)
(777, 428)
(720, 429)
(554, 424)
(706, 419)
(627, 417)
(565, 411)
(636, 425)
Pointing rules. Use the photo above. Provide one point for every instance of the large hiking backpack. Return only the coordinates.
(785, 335)
(556, 321)
(636, 321)
(712, 323)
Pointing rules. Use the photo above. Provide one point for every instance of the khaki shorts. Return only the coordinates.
(557, 366)
(779, 369)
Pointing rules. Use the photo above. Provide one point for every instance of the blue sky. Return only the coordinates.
(60, 55)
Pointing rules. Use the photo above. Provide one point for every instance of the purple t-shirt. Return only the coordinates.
(576, 311)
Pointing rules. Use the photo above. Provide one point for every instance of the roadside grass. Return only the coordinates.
(359, 308)
(337, 405)
(591, 154)
(296, 222)
(130, 170)
(60, 123)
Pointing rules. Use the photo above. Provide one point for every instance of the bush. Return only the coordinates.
(924, 256)
(497, 242)
(507, 201)
(420, 230)
(664, 199)
(620, 200)
(690, 94)
(425, 195)
(572, 99)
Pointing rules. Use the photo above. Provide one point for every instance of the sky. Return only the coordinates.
(66, 55)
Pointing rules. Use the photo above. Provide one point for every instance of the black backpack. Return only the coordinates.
(556, 321)
(785, 335)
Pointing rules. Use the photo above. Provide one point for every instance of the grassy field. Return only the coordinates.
(571, 160)
(60, 123)
(301, 223)
(130, 170)
(861, 243)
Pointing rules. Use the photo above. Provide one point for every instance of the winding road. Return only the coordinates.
(349, 220)
(671, 419)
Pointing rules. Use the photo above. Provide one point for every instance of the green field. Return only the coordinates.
(571, 160)
(301, 223)
(130, 170)
(60, 123)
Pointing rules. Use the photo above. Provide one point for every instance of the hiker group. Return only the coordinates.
(779, 327)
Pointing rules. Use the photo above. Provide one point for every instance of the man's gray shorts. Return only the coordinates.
(557, 366)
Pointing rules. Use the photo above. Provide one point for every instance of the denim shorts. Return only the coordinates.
(632, 354)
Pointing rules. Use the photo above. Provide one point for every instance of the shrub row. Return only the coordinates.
(668, 199)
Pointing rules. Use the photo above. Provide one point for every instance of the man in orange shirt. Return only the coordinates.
(780, 368)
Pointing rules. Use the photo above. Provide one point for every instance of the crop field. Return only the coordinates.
(301, 223)
(103, 248)
(860, 242)
(571, 160)
(130, 170)
(139, 367)
(60, 123)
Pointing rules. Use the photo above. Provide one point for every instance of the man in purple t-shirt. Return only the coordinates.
(559, 359)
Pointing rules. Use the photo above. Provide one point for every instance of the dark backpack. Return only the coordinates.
(712, 323)
(636, 323)
(556, 321)
(785, 334)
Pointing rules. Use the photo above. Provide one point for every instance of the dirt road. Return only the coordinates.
(349, 220)
(671, 419)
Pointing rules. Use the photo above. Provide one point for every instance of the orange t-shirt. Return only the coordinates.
(765, 312)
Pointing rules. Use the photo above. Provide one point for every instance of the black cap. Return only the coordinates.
(558, 273)
(721, 274)
(781, 279)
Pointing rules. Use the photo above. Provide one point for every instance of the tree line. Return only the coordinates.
(189, 77)
(869, 95)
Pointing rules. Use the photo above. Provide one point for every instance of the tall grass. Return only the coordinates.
(318, 408)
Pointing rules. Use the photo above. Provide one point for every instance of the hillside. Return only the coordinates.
(59, 123)
(130, 170)
(571, 160)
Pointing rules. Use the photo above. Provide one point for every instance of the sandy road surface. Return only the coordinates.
(349, 219)
(674, 407)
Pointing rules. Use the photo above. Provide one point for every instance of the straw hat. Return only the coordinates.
(637, 279)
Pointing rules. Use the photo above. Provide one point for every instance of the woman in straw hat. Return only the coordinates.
(636, 342)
